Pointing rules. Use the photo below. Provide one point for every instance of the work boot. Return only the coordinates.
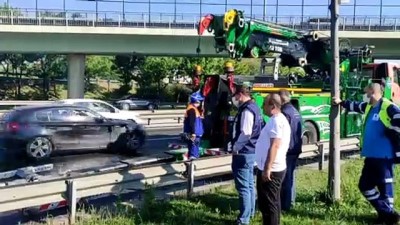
(380, 220)
(392, 218)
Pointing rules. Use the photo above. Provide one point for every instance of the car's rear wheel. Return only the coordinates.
(39, 148)
(151, 106)
(125, 106)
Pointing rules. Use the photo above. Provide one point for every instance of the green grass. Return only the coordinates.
(220, 207)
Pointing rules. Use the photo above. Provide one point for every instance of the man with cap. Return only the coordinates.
(246, 130)
(193, 125)
(229, 71)
(197, 72)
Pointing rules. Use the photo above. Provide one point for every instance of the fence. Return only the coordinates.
(129, 179)
(184, 20)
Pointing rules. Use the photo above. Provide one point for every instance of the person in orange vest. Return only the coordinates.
(193, 125)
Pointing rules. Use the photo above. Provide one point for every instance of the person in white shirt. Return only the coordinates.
(271, 149)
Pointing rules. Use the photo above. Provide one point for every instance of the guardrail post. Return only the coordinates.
(71, 197)
(190, 181)
(321, 160)
(148, 121)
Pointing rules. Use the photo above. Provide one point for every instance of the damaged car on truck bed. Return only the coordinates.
(40, 131)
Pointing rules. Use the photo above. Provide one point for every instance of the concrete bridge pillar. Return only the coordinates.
(76, 76)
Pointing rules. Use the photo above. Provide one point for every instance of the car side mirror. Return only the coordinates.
(115, 111)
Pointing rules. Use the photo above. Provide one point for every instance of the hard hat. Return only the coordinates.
(196, 97)
(229, 67)
(198, 68)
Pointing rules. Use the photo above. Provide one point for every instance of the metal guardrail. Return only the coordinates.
(127, 179)
(182, 21)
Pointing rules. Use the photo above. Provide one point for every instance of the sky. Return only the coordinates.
(317, 8)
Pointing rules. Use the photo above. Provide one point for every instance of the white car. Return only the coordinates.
(105, 109)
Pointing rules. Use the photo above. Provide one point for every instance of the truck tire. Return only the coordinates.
(310, 134)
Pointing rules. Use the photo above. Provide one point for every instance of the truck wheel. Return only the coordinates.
(310, 135)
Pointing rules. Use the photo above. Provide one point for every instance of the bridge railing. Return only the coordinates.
(181, 21)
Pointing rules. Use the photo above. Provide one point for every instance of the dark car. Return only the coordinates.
(130, 102)
(39, 131)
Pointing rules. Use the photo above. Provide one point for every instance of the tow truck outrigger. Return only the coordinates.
(309, 53)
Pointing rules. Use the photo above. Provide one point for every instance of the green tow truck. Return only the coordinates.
(308, 58)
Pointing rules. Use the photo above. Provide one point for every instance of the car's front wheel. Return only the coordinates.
(39, 148)
(130, 143)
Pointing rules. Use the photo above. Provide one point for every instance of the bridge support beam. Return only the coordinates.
(76, 76)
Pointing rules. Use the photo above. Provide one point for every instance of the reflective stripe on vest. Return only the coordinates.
(190, 106)
(383, 116)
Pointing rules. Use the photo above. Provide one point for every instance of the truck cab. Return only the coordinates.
(388, 75)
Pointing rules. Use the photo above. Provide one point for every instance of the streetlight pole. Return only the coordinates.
(276, 11)
(175, 11)
(354, 12)
(123, 10)
(302, 11)
(36, 8)
(97, 10)
(251, 9)
(264, 9)
(334, 140)
(380, 13)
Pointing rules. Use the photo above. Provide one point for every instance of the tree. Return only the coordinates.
(209, 65)
(6, 9)
(99, 67)
(48, 68)
(128, 69)
(19, 64)
(154, 70)
(246, 66)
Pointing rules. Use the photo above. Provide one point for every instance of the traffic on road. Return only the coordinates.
(38, 131)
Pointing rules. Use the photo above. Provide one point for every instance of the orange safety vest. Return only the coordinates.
(198, 114)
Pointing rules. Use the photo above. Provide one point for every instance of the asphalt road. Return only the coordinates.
(157, 143)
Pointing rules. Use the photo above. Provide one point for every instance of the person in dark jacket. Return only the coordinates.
(288, 191)
(193, 125)
(246, 130)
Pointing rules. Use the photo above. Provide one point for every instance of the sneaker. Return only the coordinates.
(238, 222)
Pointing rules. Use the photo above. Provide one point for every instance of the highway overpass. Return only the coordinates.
(79, 37)
(149, 41)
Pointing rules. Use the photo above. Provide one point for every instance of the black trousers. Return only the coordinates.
(269, 197)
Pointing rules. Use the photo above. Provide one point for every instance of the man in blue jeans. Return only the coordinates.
(246, 130)
(288, 191)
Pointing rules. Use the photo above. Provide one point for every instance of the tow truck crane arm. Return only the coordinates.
(258, 39)
(254, 38)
